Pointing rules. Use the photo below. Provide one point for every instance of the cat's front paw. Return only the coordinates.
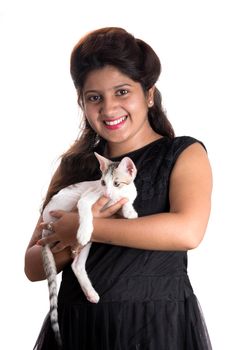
(130, 213)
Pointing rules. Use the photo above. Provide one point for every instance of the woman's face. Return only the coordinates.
(116, 107)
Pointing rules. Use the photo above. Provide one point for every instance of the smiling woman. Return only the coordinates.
(137, 266)
(116, 107)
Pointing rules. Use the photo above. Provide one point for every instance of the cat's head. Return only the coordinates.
(116, 175)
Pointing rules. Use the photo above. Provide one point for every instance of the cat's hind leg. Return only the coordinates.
(78, 267)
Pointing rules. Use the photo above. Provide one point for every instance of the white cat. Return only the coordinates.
(117, 181)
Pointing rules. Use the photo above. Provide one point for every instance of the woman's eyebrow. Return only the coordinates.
(121, 85)
(113, 88)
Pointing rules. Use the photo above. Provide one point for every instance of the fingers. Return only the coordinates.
(113, 209)
(101, 202)
(52, 238)
(63, 229)
(100, 211)
(57, 213)
(58, 247)
(47, 226)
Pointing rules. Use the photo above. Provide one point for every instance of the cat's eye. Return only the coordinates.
(103, 183)
(116, 183)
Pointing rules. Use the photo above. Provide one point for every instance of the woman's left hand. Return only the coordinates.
(99, 210)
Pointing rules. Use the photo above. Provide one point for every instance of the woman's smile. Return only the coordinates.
(113, 124)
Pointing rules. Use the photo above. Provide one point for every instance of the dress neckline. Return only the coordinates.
(138, 150)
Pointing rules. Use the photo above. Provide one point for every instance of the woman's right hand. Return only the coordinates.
(66, 224)
(33, 258)
(33, 263)
(64, 230)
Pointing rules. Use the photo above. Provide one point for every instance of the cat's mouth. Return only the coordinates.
(115, 122)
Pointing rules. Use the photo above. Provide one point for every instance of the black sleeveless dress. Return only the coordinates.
(146, 299)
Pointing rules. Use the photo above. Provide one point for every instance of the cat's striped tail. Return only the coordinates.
(51, 275)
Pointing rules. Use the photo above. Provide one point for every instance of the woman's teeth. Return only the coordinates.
(115, 122)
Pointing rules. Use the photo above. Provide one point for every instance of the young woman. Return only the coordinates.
(138, 266)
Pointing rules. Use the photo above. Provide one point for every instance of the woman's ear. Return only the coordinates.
(80, 101)
(150, 96)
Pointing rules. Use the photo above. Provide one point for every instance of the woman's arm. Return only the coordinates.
(181, 229)
(184, 226)
(64, 235)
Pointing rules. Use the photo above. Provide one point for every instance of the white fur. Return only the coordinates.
(84, 195)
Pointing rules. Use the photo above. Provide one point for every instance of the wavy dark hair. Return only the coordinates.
(134, 58)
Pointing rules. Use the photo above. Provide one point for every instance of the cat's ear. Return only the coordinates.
(128, 166)
(104, 162)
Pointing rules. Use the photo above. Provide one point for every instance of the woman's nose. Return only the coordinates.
(108, 107)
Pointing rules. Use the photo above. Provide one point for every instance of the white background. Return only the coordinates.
(40, 119)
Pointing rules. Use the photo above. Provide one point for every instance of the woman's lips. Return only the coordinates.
(113, 124)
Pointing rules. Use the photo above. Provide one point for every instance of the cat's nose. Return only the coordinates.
(107, 194)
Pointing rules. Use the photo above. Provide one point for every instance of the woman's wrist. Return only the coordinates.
(102, 229)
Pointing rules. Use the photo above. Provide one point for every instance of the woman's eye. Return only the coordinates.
(116, 184)
(103, 183)
(121, 92)
(94, 98)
